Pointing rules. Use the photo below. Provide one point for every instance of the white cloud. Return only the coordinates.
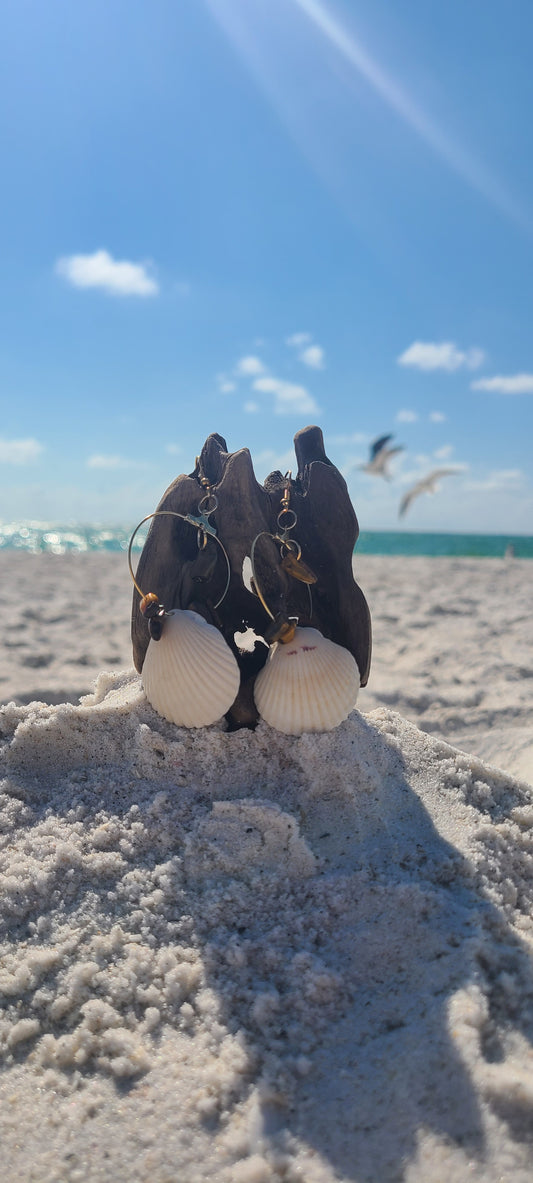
(225, 384)
(357, 437)
(251, 408)
(172, 449)
(101, 270)
(248, 367)
(506, 384)
(269, 461)
(437, 417)
(502, 478)
(19, 451)
(313, 356)
(422, 460)
(98, 460)
(444, 355)
(443, 453)
(406, 417)
(291, 399)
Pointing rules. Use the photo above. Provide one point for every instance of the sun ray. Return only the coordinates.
(237, 18)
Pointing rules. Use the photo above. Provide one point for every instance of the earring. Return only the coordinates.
(308, 682)
(189, 674)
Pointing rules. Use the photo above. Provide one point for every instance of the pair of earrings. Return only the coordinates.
(190, 675)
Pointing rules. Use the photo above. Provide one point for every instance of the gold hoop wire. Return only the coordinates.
(283, 542)
(161, 513)
(265, 534)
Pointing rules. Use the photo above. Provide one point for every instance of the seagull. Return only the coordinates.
(380, 455)
(428, 484)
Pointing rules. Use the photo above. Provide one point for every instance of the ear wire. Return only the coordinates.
(290, 549)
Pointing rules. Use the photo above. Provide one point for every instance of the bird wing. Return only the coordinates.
(425, 485)
(440, 472)
(378, 444)
(408, 497)
(429, 483)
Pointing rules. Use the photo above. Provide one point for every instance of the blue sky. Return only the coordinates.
(245, 216)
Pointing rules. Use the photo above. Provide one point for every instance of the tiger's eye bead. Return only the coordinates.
(281, 629)
(288, 631)
(150, 605)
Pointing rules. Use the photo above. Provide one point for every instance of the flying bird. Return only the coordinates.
(428, 484)
(380, 455)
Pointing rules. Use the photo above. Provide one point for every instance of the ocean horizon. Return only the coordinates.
(58, 538)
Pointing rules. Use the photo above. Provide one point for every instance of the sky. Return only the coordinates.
(246, 216)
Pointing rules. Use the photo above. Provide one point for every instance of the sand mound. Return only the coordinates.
(453, 640)
(247, 957)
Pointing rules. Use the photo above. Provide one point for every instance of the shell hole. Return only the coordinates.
(246, 640)
(247, 572)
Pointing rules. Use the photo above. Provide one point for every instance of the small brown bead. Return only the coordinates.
(150, 605)
(288, 632)
(281, 629)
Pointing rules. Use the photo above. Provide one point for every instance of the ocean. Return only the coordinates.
(53, 538)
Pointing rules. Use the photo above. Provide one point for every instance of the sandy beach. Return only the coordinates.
(250, 958)
(453, 641)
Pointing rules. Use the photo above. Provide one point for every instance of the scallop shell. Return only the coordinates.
(309, 684)
(190, 675)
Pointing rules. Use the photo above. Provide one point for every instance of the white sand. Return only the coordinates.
(249, 958)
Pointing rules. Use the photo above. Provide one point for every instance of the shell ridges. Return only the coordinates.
(190, 675)
(310, 684)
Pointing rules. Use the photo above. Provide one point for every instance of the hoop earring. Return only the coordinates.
(189, 674)
(308, 682)
(291, 559)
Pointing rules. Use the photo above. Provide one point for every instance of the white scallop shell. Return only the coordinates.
(190, 675)
(309, 684)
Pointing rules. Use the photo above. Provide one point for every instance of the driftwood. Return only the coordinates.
(183, 576)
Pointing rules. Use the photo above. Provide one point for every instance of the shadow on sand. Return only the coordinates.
(338, 977)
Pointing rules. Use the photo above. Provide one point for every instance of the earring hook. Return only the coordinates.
(290, 549)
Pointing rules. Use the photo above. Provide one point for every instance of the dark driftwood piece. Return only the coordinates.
(182, 576)
(327, 530)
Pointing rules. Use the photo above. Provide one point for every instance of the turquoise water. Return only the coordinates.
(412, 542)
(53, 538)
(41, 537)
